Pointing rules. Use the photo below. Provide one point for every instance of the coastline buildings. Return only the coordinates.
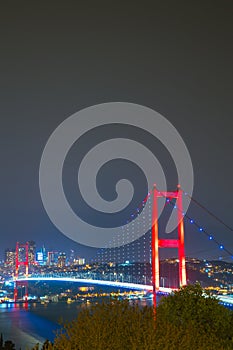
(31, 252)
(10, 257)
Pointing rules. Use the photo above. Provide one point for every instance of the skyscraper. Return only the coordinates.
(10, 257)
(71, 259)
(52, 258)
(61, 260)
(31, 252)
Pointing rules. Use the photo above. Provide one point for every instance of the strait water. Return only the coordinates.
(28, 326)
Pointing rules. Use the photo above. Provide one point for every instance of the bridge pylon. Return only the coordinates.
(167, 243)
(19, 262)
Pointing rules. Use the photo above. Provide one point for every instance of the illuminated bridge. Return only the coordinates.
(141, 249)
(226, 300)
(73, 279)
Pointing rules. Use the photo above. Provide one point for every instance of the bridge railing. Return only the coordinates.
(112, 276)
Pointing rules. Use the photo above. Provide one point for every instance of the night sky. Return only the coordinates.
(57, 58)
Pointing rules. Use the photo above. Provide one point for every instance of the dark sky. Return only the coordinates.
(57, 58)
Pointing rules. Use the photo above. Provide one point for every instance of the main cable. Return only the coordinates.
(208, 211)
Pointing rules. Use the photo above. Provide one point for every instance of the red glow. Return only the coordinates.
(167, 243)
(17, 264)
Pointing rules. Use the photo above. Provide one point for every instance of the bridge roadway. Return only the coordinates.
(226, 300)
(117, 284)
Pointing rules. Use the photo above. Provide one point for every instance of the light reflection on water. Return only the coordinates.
(21, 326)
(29, 324)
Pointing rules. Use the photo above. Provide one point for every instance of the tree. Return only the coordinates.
(188, 319)
(1, 342)
(9, 345)
(47, 345)
(196, 317)
(110, 326)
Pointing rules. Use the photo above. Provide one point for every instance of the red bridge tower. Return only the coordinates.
(167, 243)
(18, 263)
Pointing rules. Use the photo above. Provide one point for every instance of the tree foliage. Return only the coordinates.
(189, 319)
(109, 326)
(8, 345)
(197, 318)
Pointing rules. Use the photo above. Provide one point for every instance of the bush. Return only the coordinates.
(109, 326)
(189, 319)
(197, 319)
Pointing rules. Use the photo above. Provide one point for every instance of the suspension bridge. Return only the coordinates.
(145, 277)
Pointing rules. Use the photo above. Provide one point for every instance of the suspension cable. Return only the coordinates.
(208, 211)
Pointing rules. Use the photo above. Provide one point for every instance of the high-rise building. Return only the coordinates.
(31, 252)
(52, 258)
(41, 257)
(10, 257)
(71, 259)
(61, 260)
(79, 261)
(21, 253)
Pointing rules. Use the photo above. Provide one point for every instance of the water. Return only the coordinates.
(28, 326)
(36, 323)
(24, 327)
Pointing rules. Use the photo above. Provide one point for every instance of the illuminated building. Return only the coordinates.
(21, 253)
(52, 258)
(61, 260)
(79, 261)
(71, 259)
(41, 257)
(10, 257)
(31, 252)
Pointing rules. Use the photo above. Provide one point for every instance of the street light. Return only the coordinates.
(121, 277)
(163, 279)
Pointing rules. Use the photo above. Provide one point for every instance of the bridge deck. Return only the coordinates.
(117, 284)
